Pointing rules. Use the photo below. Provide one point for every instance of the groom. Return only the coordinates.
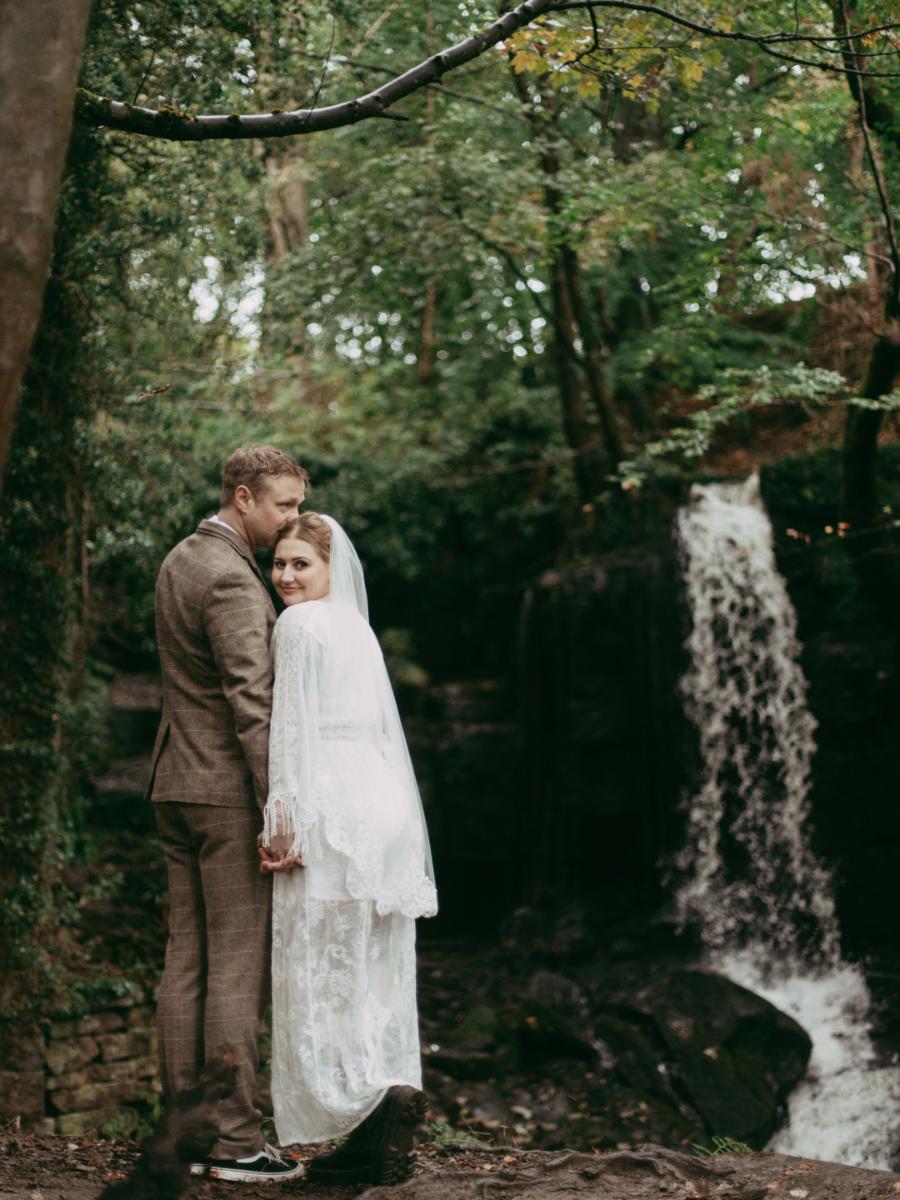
(208, 783)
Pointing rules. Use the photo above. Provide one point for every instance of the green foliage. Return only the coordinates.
(802, 495)
(134, 1124)
(125, 1124)
(739, 392)
(379, 301)
(444, 1136)
(721, 1145)
(45, 728)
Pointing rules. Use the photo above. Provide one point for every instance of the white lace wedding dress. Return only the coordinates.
(344, 1019)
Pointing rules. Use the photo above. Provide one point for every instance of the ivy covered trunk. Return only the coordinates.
(39, 59)
(862, 429)
(42, 614)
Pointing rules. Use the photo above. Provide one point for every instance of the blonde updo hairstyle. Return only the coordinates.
(308, 527)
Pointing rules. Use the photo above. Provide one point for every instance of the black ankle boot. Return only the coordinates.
(380, 1149)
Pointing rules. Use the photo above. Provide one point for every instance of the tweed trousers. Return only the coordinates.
(216, 979)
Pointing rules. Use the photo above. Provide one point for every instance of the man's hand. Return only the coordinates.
(275, 858)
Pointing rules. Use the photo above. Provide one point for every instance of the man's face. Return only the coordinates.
(279, 498)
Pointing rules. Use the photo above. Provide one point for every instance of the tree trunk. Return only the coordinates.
(581, 435)
(288, 198)
(578, 347)
(425, 363)
(40, 52)
(287, 204)
(425, 357)
(859, 499)
(860, 484)
(44, 592)
(592, 360)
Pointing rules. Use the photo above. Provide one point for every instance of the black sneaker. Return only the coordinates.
(267, 1165)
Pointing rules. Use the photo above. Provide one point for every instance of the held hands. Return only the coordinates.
(275, 858)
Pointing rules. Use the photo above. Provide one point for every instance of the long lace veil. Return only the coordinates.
(347, 582)
(347, 585)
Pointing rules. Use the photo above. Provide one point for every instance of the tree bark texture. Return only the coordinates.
(581, 434)
(578, 350)
(860, 484)
(425, 363)
(288, 196)
(859, 500)
(40, 50)
(44, 596)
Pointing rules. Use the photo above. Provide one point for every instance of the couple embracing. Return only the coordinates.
(294, 836)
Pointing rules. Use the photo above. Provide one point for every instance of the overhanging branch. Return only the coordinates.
(173, 124)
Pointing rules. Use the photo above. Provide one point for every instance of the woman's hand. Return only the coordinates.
(276, 857)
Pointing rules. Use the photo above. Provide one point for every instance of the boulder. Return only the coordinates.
(463, 1063)
(731, 1055)
(556, 1020)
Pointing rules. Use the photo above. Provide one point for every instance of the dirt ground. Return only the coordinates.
(35, 1167)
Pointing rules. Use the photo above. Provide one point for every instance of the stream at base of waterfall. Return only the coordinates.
(748, 878)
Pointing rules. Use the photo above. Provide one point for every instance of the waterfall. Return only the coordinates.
(750, 882)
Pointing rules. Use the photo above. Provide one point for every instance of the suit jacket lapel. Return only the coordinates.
(234, 539)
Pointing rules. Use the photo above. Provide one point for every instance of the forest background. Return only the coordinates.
(624, 248)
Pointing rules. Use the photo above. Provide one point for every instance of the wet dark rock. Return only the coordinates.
(488, 1107)
(563, 935)
(637, 1055)
(556, 1020)
(649, 1051)
(464, 1064)
(725, 1051)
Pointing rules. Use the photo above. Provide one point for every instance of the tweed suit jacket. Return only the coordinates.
(214, 619)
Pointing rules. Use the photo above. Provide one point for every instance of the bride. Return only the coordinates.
(343, 802)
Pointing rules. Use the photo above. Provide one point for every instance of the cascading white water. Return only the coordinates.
(750, 881)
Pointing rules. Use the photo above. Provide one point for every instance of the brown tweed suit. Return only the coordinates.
(209, 777)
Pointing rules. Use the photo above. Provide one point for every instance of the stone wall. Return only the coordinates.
(74, 1075)
(851, 658)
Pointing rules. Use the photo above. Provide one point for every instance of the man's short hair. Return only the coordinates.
(252, 465)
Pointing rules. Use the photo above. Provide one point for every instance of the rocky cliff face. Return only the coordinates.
(850, 657)
(563, 777)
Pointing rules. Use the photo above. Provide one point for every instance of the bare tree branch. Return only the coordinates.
(454, 93)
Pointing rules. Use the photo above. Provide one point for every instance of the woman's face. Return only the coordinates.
(299, 572)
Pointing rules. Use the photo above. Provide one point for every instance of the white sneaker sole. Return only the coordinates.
(198, 1168)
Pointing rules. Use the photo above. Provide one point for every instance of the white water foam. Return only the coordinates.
(847, 1108)
(751, 883)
